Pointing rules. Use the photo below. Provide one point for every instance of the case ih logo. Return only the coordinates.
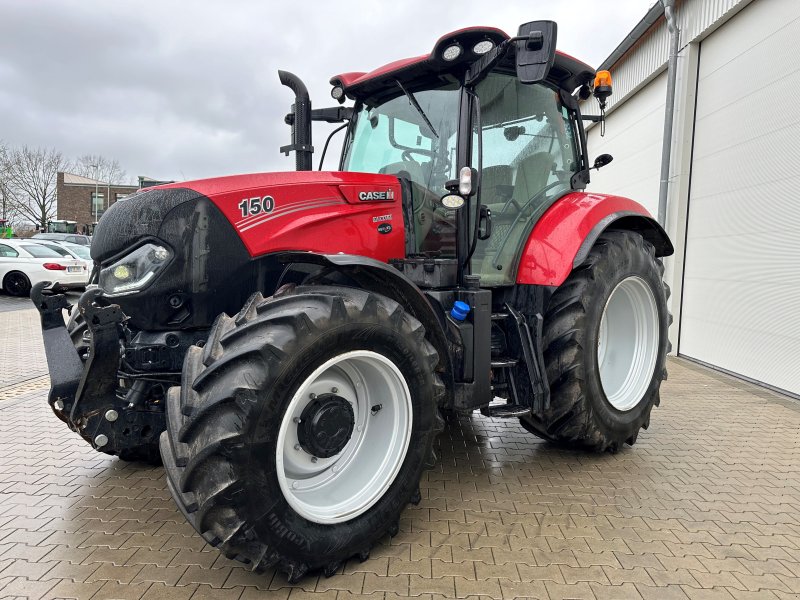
(387, 195)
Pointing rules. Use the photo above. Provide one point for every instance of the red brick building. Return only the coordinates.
(84, 200)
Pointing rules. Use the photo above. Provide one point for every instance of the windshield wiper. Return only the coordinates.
(415, 104)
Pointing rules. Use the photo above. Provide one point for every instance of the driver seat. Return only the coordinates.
(494, 259)
(422, 198)
(533, 173)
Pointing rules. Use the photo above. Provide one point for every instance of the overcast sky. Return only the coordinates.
(182, 90)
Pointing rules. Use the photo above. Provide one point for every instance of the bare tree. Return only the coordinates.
(5, 200)
(30, 181)
(104, 170)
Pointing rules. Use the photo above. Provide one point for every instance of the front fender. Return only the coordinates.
(565, 233)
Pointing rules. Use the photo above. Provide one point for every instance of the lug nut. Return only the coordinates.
(58, 405)
(112, 415)
(334, 390)
(312, 395)
(297, 447)
(297, 420)
(314, 459)
(101, 440)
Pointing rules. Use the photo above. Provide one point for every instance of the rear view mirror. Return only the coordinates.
(602, 161)
(536, 50)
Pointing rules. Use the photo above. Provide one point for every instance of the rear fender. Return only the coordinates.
(566, 232)
(381, 278)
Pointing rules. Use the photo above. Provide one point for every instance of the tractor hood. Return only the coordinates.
(267, 212)
(223, 235)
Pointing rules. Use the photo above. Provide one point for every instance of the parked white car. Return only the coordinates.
(24, 263)
(69, 250)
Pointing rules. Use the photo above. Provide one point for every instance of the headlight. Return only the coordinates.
(134, 271)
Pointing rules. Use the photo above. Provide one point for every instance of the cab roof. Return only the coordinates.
(567, 72)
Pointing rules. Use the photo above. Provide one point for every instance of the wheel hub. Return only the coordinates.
(627, 343)
(369, 454)
(326, 425)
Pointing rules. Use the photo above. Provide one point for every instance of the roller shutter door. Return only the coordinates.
(741, 303)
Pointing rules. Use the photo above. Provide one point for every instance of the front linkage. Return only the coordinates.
(107, 408)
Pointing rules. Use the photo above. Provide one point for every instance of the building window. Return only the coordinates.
(120, 197)
(98, 205)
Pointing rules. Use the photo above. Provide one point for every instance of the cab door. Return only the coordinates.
(529, 154)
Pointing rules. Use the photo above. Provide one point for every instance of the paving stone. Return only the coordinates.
(71, 589)
(206, 592)
(112, 590)
(30, 589)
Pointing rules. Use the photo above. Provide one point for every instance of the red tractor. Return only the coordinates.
(293, 338)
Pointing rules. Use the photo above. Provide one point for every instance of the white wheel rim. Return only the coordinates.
(627, 343)
(343, 486)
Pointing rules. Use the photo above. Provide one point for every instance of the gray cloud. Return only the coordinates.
(182, 90)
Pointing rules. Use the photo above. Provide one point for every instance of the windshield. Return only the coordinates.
(78, 250)
(56, 248)
(62, 227)
(418, 145)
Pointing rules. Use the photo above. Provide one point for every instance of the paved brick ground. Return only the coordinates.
(707, 505)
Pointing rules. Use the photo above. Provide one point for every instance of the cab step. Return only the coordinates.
(504, 363)
(505, 411)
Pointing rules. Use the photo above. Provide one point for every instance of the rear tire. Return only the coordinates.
(605, 346)
(17, 284)
(232, 463)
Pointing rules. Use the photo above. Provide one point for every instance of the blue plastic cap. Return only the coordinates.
(460, 310)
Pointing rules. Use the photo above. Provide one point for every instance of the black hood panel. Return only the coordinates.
(139, 215)
(210, 271)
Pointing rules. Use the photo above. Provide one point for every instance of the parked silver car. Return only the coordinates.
(75, 238)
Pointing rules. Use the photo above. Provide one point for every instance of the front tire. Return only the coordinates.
(268, 447)
(605, 346)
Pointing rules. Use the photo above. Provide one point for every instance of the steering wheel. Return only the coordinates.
(508, 203)
(541, 192)
(406, 154)
(535, 197)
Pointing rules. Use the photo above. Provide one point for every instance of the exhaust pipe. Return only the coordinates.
(300, 121)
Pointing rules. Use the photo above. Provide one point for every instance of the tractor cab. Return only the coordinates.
(6, 231)
(484, 111)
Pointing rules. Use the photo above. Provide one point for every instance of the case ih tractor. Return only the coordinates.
(292, 339)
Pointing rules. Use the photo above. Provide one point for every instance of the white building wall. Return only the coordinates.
(633, 137)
